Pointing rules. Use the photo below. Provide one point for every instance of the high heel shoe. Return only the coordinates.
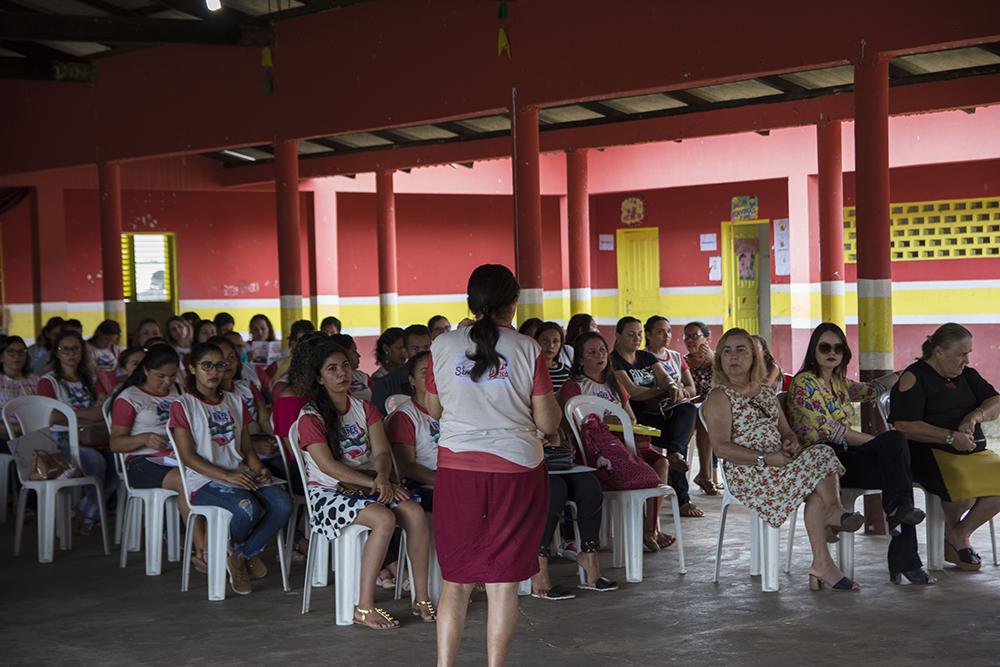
(904, 516)
(849, 522)
(917, 576)
(845, 584)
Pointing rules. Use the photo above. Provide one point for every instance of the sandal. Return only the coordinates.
(664, 540)
(650, 543)
(602, 585)
(831, 535)
(199, 561)
(707, 488)
(383, 581)
(425, 605)
(677, 462)
(965, 559)
(555, 593)
(392, 623)
(690, 511)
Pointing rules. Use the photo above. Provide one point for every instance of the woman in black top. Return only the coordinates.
(940, 403)
(649, 387)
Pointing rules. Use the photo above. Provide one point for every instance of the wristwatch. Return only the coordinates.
(950, 438)
(761, 462)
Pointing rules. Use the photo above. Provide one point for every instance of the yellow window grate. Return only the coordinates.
(147, 267)
(945, 229)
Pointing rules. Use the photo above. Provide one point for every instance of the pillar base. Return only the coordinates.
(580, 300)
(530, 304)
(291, 311)
(388, 308)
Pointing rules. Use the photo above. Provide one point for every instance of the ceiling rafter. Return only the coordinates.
(25, 26)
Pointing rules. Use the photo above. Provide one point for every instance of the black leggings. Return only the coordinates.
(884, 463)
(675, 434)
(584, 490)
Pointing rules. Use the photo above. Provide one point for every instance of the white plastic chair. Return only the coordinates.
(298, 500)
(217, 533)
(625, 508)
(764, 538)
(6, 489)
(122, 495)
(34, 413)
(347, 549)
(934, 521)
(394, 401)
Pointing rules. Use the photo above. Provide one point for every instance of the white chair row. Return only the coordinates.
(624, 508)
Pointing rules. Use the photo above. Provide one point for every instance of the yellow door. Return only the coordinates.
(741, 276)
(638, 272)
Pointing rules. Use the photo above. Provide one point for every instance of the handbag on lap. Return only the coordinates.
(618, 469)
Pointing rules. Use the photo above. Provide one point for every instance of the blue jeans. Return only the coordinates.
(100, 464)
(257, 515)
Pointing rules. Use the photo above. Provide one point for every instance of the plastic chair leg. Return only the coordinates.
(154, 537)
(617, 535)
(348, 567)
(679, 535)
(46, 523)
(755, 546)
(192, 523)
(283, 562)
(401, 567)
(173, 529)
(993, 539)
(136, 525)
(119, 516)
(935, 532)
(435, 582)
(5, 461)
(845, 554)
(792, 520)
(307, 584)
(218, 541)
(771, 555)
(127, 511)
(22, 503)
(321, 562)
(103, 509)
(631, 518)
(64, 520)
(718, 546)
(524, 588)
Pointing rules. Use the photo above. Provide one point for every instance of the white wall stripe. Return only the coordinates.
(691, 289)
(557, 294)
(532, 296)
(877, 288)
(832, 288)
(580, 294)
(875, 361)
(327, 299)
(359, 301)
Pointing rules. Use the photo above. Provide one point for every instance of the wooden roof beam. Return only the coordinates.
(23, 26)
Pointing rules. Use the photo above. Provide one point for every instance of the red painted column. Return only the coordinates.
(286, 189)
(110, 188)
(578, 200)
(527, 211)
(388, 280)
(871, 146)
(831, 220)
(327, 255)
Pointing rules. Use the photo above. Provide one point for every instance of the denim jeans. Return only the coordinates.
(100, 464)
(257, 515)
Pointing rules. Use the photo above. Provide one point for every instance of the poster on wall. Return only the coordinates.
(715, 268)
(605, 242)
(782, 256)
(708, 242)
(743, 207)
(746, 251)
(633, 210)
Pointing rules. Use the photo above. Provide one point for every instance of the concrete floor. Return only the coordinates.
(82, 609)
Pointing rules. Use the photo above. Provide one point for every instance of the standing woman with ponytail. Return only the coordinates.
(490, 389)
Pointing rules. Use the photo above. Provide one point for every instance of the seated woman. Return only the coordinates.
(232, 380)
(70, 382)
(766, 468)
(437, 325)
(774, 376)
(413, 434)
(699, 358)
(102, 354)
(222, 469)
(261, 329)
(330, 325)
(360, 382)
(180, 335)
(248, 372)
(579, 324)
(348, 464)
(549, 336)
(129, 358)
(41, 352)
(224, 323)
(658, 402)
(147, 329)
(140, 410)
(939, 404)
(16, 378)
(819, 410)
(592, 375)
(204, 330)
(390, 352)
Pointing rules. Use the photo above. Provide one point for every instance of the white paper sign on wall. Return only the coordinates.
(708, 242)
(715, 268)
(782, 251)
(605, 242)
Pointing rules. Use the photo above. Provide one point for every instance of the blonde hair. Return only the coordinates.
(758, 369)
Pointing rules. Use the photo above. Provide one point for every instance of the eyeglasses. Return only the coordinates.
(69, 350)
(692, 336)
(827, 348)
(16, 352)
(208, 366)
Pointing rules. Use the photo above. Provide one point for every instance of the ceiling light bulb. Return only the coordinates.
(213, 5)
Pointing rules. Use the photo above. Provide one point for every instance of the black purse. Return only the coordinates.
(558, 458)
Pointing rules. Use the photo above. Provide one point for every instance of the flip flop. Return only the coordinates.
(602, 585)
(555, 593)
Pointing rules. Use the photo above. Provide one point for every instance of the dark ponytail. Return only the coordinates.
(492, 288)
(945, 335)
(156, 357)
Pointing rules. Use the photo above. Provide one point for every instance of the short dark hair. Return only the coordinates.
(300, 328)
(223, 318)
(577, 324)
(330, 319)
(701, 327)
(625, 321)
(434, 320)
(529, 326)
(414, 330)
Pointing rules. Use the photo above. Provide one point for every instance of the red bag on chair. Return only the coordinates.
(618, 469)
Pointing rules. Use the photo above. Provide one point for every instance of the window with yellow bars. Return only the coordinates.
(945, 229)
(147, 267)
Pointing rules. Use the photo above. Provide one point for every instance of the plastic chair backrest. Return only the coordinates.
(181, 468)
(293, 444)
(33, 413)
(394, 402)
(119, 457)
(578, 408)
(882, 403)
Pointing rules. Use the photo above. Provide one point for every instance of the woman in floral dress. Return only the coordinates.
(765, 467)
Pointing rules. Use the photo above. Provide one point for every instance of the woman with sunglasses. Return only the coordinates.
(819, 411)
(16, 378)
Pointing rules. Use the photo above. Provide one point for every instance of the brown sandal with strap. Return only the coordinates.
(691, 511)
(420, 606)
(392, 622)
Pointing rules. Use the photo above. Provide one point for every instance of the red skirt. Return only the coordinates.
(488, 525)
